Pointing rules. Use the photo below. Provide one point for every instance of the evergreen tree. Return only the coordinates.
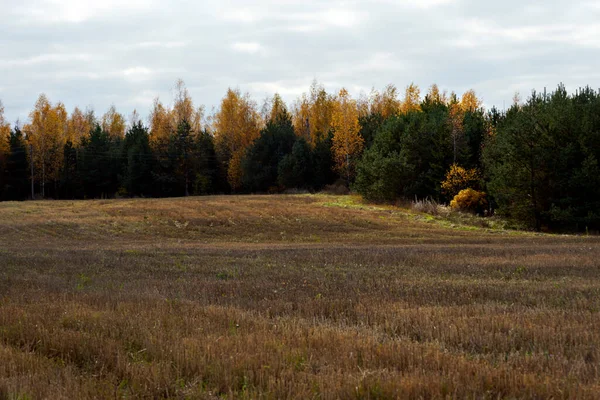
(137, 175)
(100, 164)
(17, 168)
(295, 169)
(262, 158)
(206, 166)
(323, 164)
(70, 180)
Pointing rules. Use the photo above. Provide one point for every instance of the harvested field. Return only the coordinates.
(289, 297)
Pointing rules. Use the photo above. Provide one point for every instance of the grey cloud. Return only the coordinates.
(126, 53)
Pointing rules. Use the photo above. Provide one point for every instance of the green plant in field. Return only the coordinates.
(83, 281)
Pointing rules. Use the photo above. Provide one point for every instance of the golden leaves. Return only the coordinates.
(385, 104)
(237, 124)
(47, 133)
(459, 178)
(347, 141)
(164, 121)
(114, 123)
(313, 113)
(79, 125)
(469, 101)
(412, 99)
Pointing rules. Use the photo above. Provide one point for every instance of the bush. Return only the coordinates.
(470, 200)
(459, 178)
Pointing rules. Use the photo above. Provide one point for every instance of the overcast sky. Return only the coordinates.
(126, 52)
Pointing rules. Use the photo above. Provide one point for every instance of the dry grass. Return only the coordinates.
(289, 297)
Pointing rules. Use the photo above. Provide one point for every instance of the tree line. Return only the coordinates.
(536, 162)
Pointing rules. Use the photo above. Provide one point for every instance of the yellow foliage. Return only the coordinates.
(184, 109)
(160, 124)
(470, 102)
(313, 114)
(114, 123)
(469, 200)
(386, 104)
(412, 99)
(47, 133)
(459, 178)
(236, 124)
(277, 108)
(79, 126)
(347, 141)
(234, 171)
(164, 121)
(435, 96)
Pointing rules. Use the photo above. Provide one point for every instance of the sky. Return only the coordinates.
(128, 52)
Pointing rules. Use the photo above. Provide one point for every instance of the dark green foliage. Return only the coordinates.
(206, 166)
(369, 125)
(16, 172)
(138, 162)
(262, 158)
(474, 132)
(409, 157)
(70, 183)
(188, 165)
(542, 164)
(101, 165)
(322, 164)
(295, 169)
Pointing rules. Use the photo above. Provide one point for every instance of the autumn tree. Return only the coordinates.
(4, 135)
(455, 120)
(278, 109)
(347, 142)
(160, 124)
(79, 125)
(46, 133)
(470, 102)
(412, 99)
(435, 97)
(236, 125)
(386, 103)
(4, 131)
(185, 110)
(459, 178)
(313, 114)
(114, 123)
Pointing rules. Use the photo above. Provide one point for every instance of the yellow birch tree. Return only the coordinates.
(47, 134)
(236, 126)
(412, 99)
(114, 123)
(347, 141)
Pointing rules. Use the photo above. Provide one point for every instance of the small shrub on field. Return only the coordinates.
(470, 200)
(429, 206)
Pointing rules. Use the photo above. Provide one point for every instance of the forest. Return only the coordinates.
(535, 162)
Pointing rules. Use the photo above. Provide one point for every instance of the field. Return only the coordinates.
(307, 296)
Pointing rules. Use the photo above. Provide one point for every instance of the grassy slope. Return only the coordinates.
(288, 296)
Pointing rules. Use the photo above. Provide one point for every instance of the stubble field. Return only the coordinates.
(289, 297)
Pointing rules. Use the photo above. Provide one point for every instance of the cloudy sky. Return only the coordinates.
(127, 52)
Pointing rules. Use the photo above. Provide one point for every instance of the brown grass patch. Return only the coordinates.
(289, 297)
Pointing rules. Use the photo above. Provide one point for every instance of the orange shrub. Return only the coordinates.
(470, 200)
